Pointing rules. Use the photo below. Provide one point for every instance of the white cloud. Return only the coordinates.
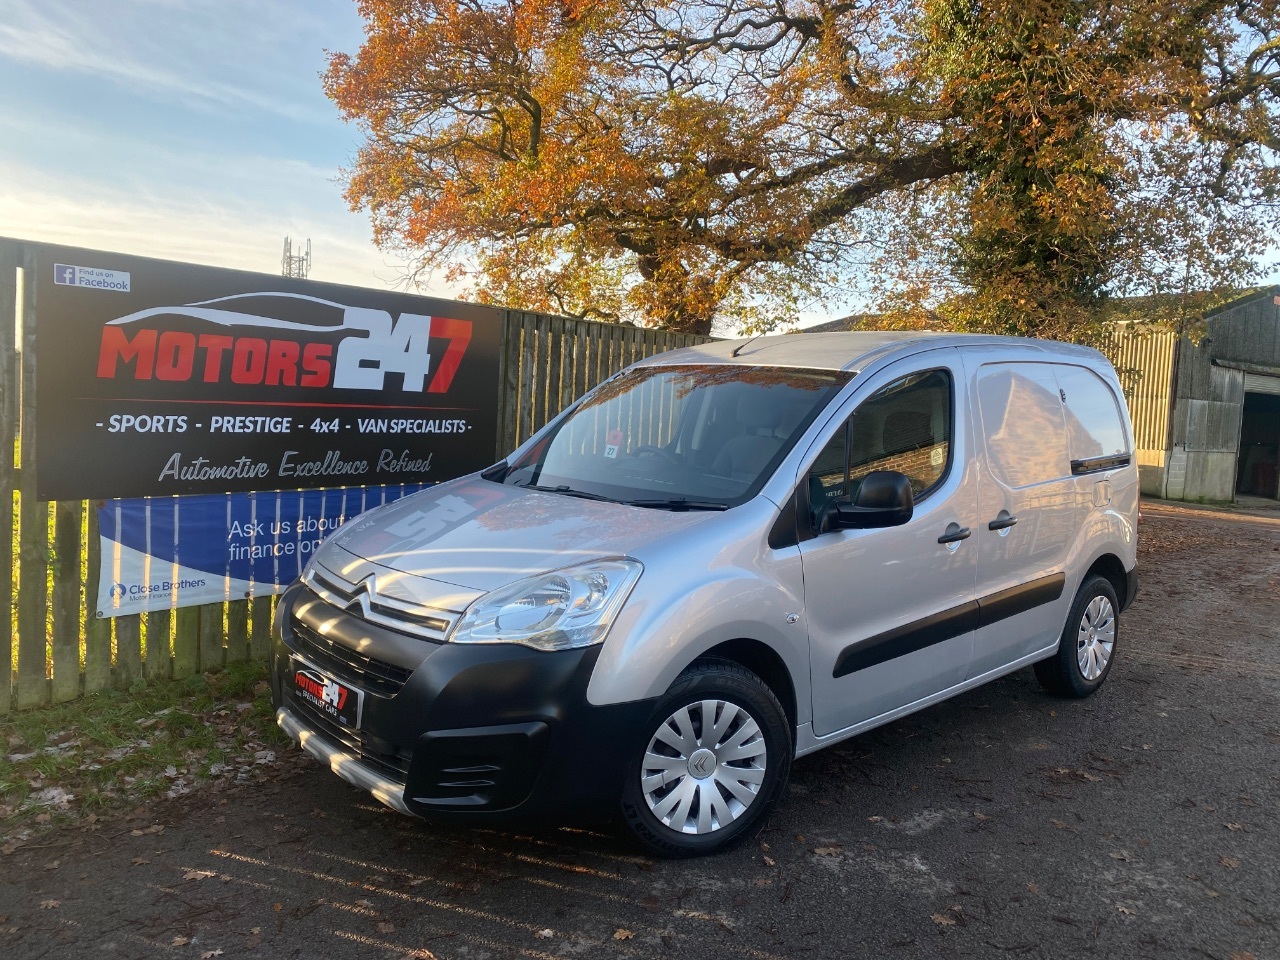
(193, 226)
(210, 55)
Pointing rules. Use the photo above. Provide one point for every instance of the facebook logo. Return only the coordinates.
(66, 275)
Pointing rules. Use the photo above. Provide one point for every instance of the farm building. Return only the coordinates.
(1206, 415)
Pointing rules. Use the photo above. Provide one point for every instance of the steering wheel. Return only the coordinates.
(650, 450)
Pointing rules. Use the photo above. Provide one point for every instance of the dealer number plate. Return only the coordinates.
(337, 701)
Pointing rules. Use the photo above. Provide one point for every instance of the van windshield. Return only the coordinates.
(679, 437)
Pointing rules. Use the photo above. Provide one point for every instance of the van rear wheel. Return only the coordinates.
(710, 762)
(1087, 648)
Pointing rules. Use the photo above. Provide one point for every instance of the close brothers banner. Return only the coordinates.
(159, 553)
(167, 380)
(160, 378)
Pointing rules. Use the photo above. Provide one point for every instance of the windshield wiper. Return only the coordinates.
(567, 490)
(669, 503)
(679, 503)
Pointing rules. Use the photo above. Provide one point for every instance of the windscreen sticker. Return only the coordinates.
(612, 441)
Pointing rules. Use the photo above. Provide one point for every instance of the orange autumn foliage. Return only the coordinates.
(989, 165)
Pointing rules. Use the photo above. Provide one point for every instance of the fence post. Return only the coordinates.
(554, 332)
(33, 517)
(212, 634)
(528, 373)
(260, 629)
(511, 389)
(541, 371)
(97, 630)
(68, 518)
(158, 664)
(128, 649)
(499, 434)
(186, 640)
(9, 394)
(237, 630)
(579, 384)
(562, 331)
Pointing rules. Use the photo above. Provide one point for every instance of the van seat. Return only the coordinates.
(742, 456)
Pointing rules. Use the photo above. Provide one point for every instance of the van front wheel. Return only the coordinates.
(712, 759)
(1087, 648)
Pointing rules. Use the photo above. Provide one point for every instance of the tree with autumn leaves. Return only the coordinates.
(976, 164)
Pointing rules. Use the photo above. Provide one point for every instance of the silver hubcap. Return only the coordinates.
(1096, 639)
(703, 766)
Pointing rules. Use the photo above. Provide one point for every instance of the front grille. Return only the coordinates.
(367, 673)
(367, 603)
(353, 741)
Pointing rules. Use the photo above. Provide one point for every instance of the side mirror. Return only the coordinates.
(884, 500)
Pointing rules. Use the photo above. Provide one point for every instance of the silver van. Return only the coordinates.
(720, 559)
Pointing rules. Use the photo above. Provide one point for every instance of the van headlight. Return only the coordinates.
(560, 610)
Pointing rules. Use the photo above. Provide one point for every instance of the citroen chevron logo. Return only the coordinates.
(702, 764)
(364, 594)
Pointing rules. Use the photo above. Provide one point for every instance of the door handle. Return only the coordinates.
(954, 533)
(1002, 521)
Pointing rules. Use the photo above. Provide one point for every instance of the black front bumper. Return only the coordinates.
(495, 732)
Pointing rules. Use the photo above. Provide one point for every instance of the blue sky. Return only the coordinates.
(189, 129)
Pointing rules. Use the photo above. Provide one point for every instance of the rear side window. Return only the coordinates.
(1095, 428)
(1022, 421)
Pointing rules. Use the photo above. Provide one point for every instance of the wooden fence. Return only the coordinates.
(58, 648)
(548, 362)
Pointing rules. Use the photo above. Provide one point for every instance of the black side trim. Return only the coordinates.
(949, 624)
(1020, 599)
(1098, 464)
(908, 638)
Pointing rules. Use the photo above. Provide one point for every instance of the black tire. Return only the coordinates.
(729, 683)
(1062, 673)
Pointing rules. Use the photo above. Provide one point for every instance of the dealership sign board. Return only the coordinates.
(161, 553)
(159, 378)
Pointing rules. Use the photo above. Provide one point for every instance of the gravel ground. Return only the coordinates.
(1140, 823)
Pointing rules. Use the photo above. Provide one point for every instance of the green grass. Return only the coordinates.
(114, 750)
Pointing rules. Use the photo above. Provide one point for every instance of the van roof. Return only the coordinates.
(847, 351)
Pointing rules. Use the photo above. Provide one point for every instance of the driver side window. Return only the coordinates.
(905, 426)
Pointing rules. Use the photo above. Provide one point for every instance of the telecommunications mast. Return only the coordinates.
(295, 266)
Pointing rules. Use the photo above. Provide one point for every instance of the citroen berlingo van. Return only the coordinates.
(720, 559)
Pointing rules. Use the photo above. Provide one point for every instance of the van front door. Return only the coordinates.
(891, 612)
